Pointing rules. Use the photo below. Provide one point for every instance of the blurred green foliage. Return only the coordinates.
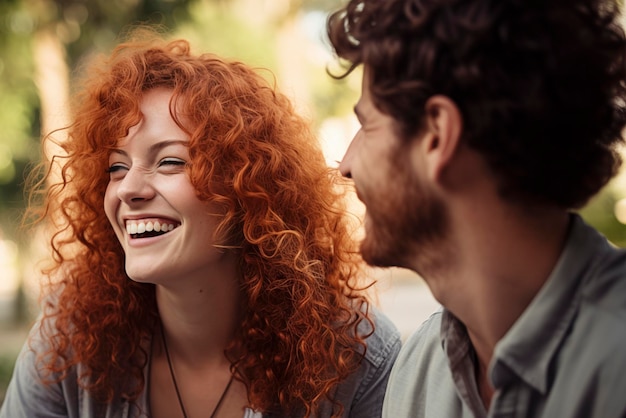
(19, 110)
(6, 370)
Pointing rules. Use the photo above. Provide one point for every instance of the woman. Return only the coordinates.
(204, 267)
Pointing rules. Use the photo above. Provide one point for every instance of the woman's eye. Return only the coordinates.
(176, 162)
(117, 171)
(114, 168)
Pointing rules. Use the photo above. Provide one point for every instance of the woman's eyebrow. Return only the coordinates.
(154, 148)
(119, 151)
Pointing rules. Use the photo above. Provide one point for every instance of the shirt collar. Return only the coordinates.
(529, 346)
(461, 358)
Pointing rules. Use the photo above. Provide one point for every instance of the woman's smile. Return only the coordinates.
(144, 228)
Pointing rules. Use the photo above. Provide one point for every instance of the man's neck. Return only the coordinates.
(504, 260)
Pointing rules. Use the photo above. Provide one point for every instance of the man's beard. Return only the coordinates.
(406, 225)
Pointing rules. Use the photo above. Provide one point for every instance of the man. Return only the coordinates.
(483, 124)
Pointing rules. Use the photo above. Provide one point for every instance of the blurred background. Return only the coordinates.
(42, 42)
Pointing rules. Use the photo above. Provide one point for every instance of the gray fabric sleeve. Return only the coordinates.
(27, 395)
(382, 350)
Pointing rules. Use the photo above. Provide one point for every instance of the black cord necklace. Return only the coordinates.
(180, 399)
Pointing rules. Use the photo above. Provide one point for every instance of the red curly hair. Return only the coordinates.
(253, 155)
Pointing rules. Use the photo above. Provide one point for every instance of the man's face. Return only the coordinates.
(405, 221)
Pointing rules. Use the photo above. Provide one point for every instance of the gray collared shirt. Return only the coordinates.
(564, 357)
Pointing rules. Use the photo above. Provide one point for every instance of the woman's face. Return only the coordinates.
(166, 232)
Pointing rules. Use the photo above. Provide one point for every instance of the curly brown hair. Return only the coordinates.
(540, 83)
(252, 154)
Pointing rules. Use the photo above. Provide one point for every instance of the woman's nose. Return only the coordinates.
(136, 186)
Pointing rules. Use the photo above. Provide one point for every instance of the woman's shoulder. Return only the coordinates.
(31, 381)
(362, 393)
(56, 393)
(384, 339)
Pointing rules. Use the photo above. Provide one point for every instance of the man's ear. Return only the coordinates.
(444, 126)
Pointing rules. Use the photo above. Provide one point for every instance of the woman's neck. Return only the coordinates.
(200, 319)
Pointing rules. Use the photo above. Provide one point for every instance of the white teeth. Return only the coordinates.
(134, 227)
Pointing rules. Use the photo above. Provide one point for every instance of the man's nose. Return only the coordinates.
(345, 167)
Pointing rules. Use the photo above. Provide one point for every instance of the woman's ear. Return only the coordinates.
(444, 125)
